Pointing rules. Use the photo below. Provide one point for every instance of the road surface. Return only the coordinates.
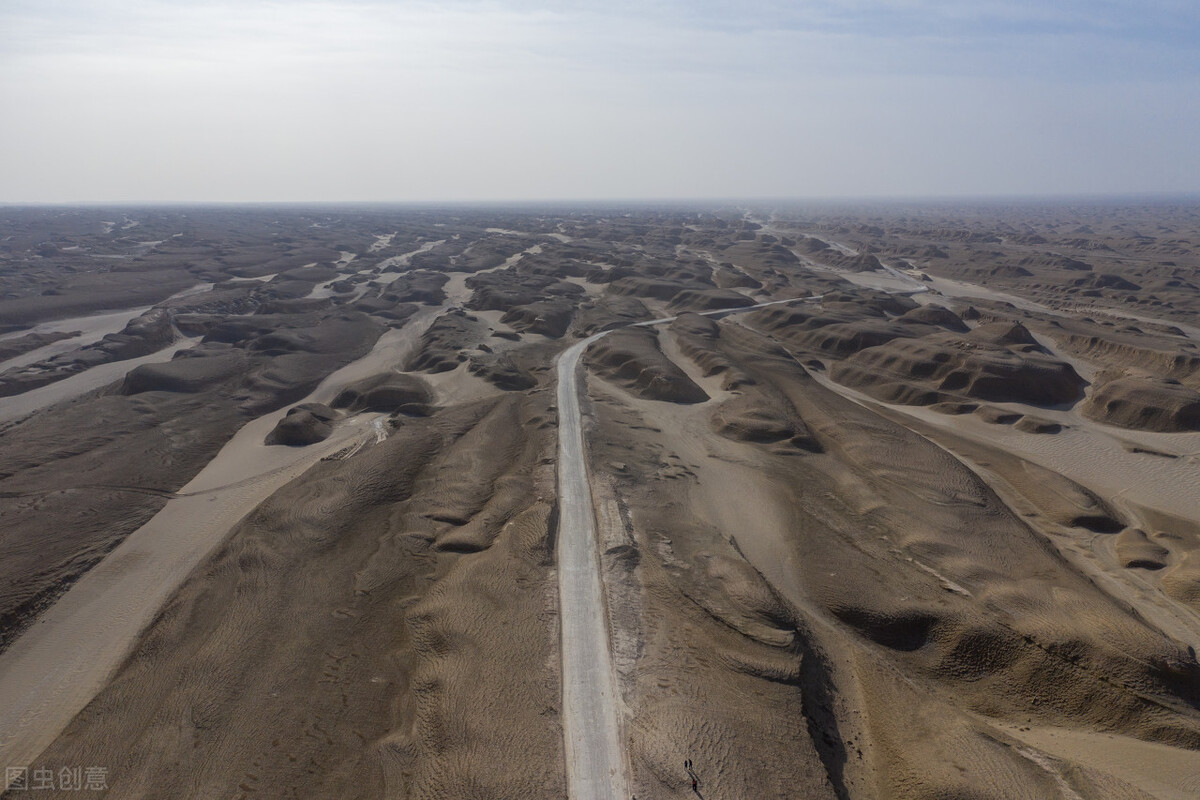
(595, 759)
(591, 716)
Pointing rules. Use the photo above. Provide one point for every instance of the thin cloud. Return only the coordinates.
(164, 99)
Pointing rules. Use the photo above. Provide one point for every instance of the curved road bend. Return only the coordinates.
(595, 760)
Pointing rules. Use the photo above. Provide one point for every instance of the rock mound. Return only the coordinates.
(1148, 404)
(550, 318)
(1107, 280)
(1037, 425)
(1135, 550)
(935, 315)
(748, 419)
(303, 425)
(187, 374)
(654, 288)
(941, 367)
(388, 393)
(762, 417)
(632, 358)
(444, 343)
(502, 371)
(709, 300)
(417, 286)
(1006, 334)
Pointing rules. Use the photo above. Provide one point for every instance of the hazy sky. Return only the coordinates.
(203, 100)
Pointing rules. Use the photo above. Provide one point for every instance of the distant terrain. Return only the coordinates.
(891, 501)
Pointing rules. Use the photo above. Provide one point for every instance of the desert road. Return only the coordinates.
(595, 759)
(596, 768)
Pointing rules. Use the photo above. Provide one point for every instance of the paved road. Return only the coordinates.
(596, 765)
(596, 768)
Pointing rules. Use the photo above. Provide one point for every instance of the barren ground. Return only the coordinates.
(283, 506)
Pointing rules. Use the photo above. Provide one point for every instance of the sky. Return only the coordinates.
(138, 101)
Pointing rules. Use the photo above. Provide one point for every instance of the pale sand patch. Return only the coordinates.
(1168, 773)
(457, 385)
(403, 259)
(381, 241)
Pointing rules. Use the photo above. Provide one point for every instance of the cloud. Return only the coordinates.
(360, 99)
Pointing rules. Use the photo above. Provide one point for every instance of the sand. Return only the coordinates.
(24, 404)
(57, 666)
(848, 541)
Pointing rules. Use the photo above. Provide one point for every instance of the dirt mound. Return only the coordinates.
(935, 315)
(244, 329)
(11, 348)
(389, 393)
(954, 408)
(417, 286)
(303, 425)
(394, 313)
(998, 416)
(490, 252)
(316, 274)
(1148, 404)
(444, 342)
(506, 289)
(1030, 424)
(760, 415)
(632, 359)
(548, 317)
(696, 325)
(654, 288)
(91, 291)
(727, 276)
(610, 311)
(943, 367)
(708, 300)
(864, 262)
(1135, 550)
(189, 373)
(502, 371)
(842, 324)
(842, 339)
(1107, 280)
(1003, 333)
(696, 336)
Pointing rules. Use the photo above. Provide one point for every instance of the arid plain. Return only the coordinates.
(893, 501)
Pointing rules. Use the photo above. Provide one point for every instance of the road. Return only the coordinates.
(595, 759)
(591, 715)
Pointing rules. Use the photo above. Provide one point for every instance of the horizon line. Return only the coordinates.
(1057, 197)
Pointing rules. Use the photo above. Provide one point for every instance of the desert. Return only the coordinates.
(872, 500)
